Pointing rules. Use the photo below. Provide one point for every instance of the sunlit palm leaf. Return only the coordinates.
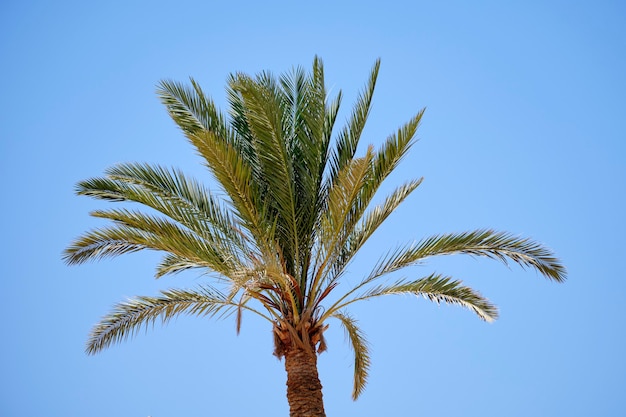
(106, 242)
(382, 164)
(385, 160)
(341, 199)
(394, 150)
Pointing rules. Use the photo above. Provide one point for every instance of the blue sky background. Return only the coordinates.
(524, 132)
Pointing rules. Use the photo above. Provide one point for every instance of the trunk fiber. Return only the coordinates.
(304, 390)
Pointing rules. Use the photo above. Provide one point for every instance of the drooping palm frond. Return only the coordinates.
(359, 346)
(435, 287)
(105, 242)
(127, 318)
(496, 245)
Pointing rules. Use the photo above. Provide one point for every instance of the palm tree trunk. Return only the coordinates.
(304, 390)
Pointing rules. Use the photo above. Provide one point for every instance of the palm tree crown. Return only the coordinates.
(295, 207)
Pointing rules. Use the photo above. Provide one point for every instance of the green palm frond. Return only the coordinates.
(173, 264)
(496, 245)
(436, 288)
(234, 175)
(308, 146)
(286, 128)
(342, 197)
(105, 242)
(355, 231)
(359, 346)
(332, 111)
(332, 229)
(171, 193)
(190, 108)
(385, 160)
(239, 124)
(224, 153)
(348, 139)
(135, 231)
(265, 113)
(127, 318)
(394, 150)
(369, 224)
(176, 239)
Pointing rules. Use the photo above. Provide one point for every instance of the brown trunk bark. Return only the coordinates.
(304, 390)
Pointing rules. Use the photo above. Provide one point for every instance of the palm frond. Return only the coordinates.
(395, 149)
(370, 223)
(268, 116)
(359, 346)
(234, 174)
(221, 147)
(495, 245)
(171, 193)
(306, 96)
(436, 288)
(356, 230)
(332, 229)
(342, 197)
(127, 318)
(190, 108)
(386, 159)
(135, 231)
(239, 123)
(173, 264)
(331, 117)
(106, 242)
(105, 189)
(348, 138)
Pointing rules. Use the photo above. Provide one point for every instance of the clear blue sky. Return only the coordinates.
(524, 132)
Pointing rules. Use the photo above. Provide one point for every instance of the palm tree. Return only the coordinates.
(295, 207)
